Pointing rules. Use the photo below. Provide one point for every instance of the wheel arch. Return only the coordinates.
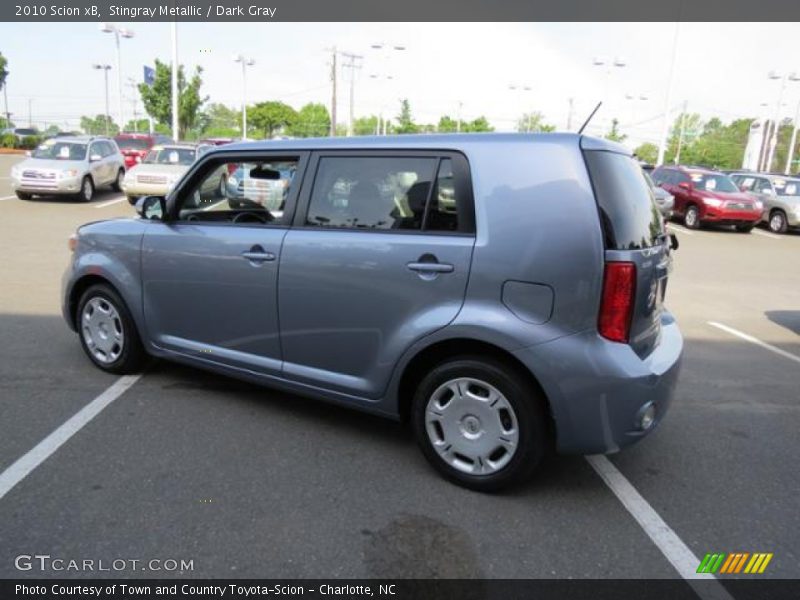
(421, 363)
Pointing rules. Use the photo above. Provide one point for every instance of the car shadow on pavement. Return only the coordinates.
(790, 319)
(99, 196)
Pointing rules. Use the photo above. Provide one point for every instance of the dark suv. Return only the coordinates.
(703, 196)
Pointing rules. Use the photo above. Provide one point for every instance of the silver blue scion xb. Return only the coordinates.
(504, 293)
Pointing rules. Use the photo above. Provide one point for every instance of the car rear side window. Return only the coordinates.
(629, 216)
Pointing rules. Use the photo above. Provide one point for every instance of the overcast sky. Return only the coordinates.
(721, 68)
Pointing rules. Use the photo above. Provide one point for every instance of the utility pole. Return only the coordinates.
(30, 112)
(662, 146)
(5, 96)
(175, 122)
(333, 92)
(569, 114)
(683, 130)
(352, 66)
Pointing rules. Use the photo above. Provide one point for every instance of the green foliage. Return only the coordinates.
(29, 142)
(6, 124)
(614, 134)
(97, 125)
(8, 140)
(405, 122)
(647, 152)
(712, 143)
(137, 126)
(157, 98)
(222, 120)
(365, 125)
(533, 122)
(270, 117)
(447, 125)
(312, 120)
(477, 125)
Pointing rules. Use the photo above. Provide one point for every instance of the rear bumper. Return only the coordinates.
(597, 389)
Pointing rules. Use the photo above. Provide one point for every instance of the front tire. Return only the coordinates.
(24, 196)
(745, 228)
(132, 200)
(692, 218)
(87, 190)
(117, 185)
(777, 222)
(480, 423)
(107, 331)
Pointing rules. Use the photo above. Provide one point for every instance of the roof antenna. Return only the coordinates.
(596, 108)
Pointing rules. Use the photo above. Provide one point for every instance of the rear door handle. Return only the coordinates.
(425, 267)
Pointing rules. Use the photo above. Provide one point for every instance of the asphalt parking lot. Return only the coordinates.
(248, 482)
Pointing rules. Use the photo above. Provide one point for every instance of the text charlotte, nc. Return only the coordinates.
(191, 10)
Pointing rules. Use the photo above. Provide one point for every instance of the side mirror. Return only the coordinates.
(94, 158)
(151, 207)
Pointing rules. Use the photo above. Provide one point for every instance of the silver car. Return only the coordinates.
(72, 166)
(780, 195)
(664, 200)
(160, 170)
(504, 293)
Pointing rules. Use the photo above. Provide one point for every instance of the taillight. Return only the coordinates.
(616, 306)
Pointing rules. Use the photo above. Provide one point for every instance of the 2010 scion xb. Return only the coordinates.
(502, 292)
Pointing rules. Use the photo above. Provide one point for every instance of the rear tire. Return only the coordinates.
(745, 228)
(24, 196)
(472, 440)
(691, 219)
(107, 331)
(132, 199)
(777, 221)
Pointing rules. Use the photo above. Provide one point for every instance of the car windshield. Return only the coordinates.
(60, 151)
(132, 143)
(787, 187)
(171, 156)
(22, 131)
(710, 182)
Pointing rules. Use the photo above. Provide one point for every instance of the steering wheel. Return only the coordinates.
(250, 217)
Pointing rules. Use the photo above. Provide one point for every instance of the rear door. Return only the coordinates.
(633, 233)
(378, 257)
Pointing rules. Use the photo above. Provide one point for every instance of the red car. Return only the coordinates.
(135, 146)
(703, 196)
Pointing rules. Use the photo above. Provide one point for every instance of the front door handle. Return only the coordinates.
(257, 254)
(430, 267)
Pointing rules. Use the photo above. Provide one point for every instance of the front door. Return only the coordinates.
(210, 273)
(378, 258)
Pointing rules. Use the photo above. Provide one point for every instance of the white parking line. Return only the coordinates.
(756, 341)
(109, 202)
(671, 546)
(679, 228)
(27, 463)
(8, 197)
(766, 234)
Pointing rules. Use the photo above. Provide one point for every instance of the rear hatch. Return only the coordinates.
(637, 254)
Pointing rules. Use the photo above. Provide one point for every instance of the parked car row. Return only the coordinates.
(71, 165)
(740, 199)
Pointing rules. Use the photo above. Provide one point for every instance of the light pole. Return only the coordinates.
(609, 65)
(635, 99)
(662, 145)
(384, 51)
(523, 89)
(246, 62)
(118, 33)
(773, 142)
(105, 69)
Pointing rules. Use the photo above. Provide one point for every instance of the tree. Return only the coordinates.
(312, 120)
(647, 152)
(477, 125)
(365, 125)
(614, 134)
(270, 117)
(405, 123)
(157, 98)
(3, 77)
(533, 122)
(139, 125)
(447, 125)
(97, 125)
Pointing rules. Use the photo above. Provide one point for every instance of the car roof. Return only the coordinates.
(690, 169)
(451, 141)
(189, 145)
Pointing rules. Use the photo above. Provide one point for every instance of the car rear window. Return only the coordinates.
(629, 215)
(133, 143)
